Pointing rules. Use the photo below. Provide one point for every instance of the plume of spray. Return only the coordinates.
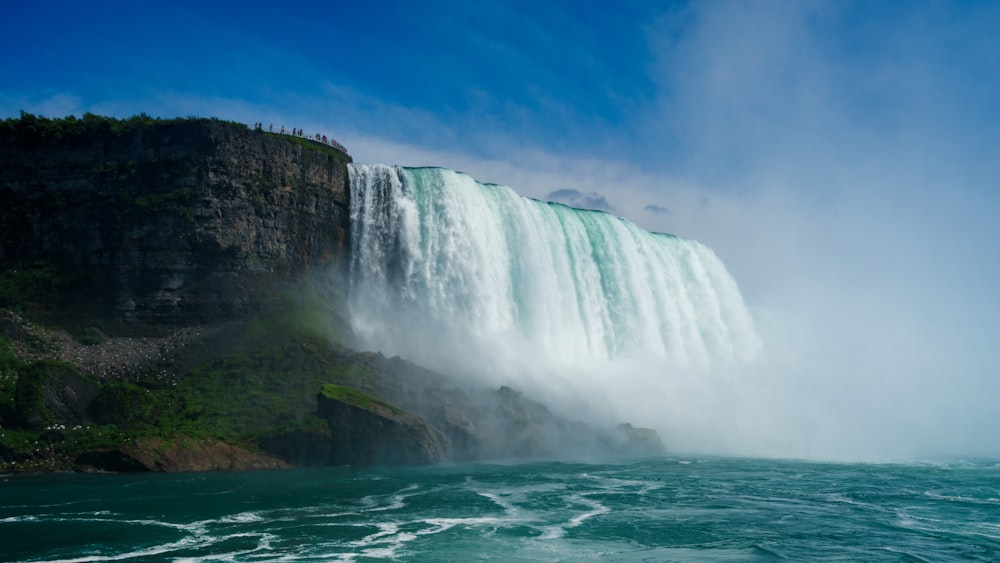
(854, 199)
(581, 309)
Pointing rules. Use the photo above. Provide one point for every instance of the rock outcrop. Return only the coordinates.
(496, 424)
(51, 392)
(365, 431)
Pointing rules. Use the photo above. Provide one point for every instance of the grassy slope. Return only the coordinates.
(354, 397)
(261, 380)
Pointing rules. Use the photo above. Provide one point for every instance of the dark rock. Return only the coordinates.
(68, 396)
(376, 434)
(496, 424)
(301, 448)
(50, 392)
(108, 460)
(626, 439)
(171, 223)
(462, 434)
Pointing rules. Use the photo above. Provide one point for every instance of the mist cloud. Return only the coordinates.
(843, 208)
(851, 198)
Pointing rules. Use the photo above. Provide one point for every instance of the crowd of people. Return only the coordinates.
(330, 141)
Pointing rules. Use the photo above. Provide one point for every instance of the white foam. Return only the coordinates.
(398, 500)
(500, 274)
(597, 510)
(242, 518)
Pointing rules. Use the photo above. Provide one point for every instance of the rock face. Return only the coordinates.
(50, 391)
(373, 433)
(169, 223)
(481, 424)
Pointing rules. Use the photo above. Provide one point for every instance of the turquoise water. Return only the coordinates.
(649, 510)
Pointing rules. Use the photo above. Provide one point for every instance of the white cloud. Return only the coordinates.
(59, 104)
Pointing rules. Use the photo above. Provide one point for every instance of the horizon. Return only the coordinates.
(839, 157)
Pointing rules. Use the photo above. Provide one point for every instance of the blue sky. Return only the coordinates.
(841, 157)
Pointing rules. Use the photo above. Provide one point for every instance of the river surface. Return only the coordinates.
(668, 509)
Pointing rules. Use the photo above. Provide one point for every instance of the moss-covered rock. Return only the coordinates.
(365, 431)
(51, 392)
(123, 404)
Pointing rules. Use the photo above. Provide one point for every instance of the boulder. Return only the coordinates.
(365, 431)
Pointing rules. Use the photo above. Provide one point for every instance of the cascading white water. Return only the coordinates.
(460, 275)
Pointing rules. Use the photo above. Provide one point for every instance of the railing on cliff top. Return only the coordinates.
(323, 139)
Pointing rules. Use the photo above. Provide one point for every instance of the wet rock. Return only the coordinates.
(373, 433)
(626, 439)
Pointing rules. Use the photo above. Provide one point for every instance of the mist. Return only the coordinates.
(874, 311)
(854, 207)
(848, 183)
(870, 282)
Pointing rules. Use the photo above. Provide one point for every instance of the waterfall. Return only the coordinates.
(454, 273)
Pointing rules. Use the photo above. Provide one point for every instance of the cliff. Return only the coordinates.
(157, 223)
(170, 300)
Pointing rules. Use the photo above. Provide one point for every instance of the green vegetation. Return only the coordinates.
(180, 202)
(33, 287)
(262, 382)
(9, 366)
(31, 282)
(31, 439)
(354, 397)
(29, 407)
(32, 129)
(55, 449)
(265, 384)
(124, 405)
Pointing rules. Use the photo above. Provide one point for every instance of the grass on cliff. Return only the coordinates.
(258, 380)
(354, 397)
(263, 380)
